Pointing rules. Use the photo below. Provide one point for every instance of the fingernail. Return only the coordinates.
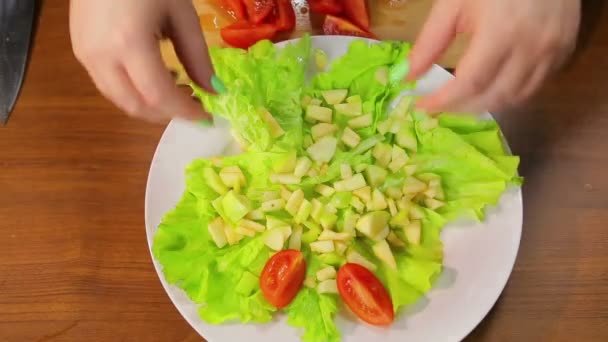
(218, 85)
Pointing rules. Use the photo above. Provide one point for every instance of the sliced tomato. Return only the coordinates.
(365, 295)
(339, 26)
(286, 17)
(356, 11)
(258, 10)
(325, 6)
(243, 34)
(235, 8)
(282, 277)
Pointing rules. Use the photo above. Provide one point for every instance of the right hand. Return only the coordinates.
(117, 41)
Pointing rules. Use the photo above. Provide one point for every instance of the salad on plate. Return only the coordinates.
(340, 195)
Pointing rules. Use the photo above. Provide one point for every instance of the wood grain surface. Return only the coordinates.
(74, 264)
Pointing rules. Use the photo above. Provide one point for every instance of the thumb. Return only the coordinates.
(437, 33)
(190, 46)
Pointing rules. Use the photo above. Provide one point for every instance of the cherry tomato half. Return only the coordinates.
(243, 34)
(282, 277)
(342, 27)
(365, 295)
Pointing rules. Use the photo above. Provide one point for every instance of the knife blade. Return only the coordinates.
(16, 25)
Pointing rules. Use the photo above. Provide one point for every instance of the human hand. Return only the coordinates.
(514, 46)
(117, 41)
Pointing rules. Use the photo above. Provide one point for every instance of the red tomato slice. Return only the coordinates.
(282, 277)
(286, 17)
(258, 10)
(356, 11)
(340, 26)
(325, 6)
(365, 295)
(235, 8)
(243, 34)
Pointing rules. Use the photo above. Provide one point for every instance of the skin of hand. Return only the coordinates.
(117, 41)
(514, 46)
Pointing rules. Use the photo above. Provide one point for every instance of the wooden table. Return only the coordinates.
(74, 264)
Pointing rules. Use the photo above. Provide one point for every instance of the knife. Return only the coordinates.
(16, 25)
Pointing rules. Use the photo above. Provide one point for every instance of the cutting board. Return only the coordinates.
(391, 19)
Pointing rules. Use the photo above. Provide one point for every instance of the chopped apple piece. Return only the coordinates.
(323, 129)
(413, 185)
(310, 282)
(340, 247)
(360, 168)
(273, 222)
(255, 215)
(231, 235)
(384, 126)
(346, 171)
(410, 169)
(214, 181)
(335, 96)
(350, 138)
(412, 232)
(328, 220)
(302, 167)
(404, 204)
(323, 168)
(399, 159)
(275, 129)
(383, 251)
(403, 107)
(350, 221)
(351, 184)
(216, 230)
(317, 209)
(429, 124)
(349, 109)
(364, 193)
(375, 175)
(354, 99)
(328, 272)
(434, 183)
(372, 223)
(318, 113)
(360, 122)
(357, 204)
(316, 102)
(394, 192)
(381, 75)
(333, 236)
(401, 219)
(416, 213)
(286, 163)
(233, 177)
(322, 246)
(284, 178)
(285, 193)
(275, 239)
(244, 231)
(357, 258)
(252, 225)
(305, 101)
(382, 153)
(430, 192)
(378, 200)
(328, 286)
(440, 195)
(286, 230)
(313, 172)
(325, 190)
(341, 200)
(293, 203)
(392, 207)
(406, 138)
(270, 195)
(323, 150)
(394, 240)
(295, 241)
(312, 233)
(273, 205)
(235, 206)
(433, 204)
(303, 212)
(383, 234)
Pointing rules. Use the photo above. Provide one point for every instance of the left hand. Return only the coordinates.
(515, 45)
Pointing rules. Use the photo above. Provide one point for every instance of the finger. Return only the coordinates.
(435, 37)
(477, 69)
(190, 45)
(155, 84)
(539, 75)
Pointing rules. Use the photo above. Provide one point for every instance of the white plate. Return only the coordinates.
(478, 257)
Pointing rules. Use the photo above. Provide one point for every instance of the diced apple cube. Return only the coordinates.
(403, 107)
(440, 195)
(316, 102)
(284, 178)
(412, 232)
(322, 129)
(384, 126)
(357, 204)
(231, 235)
(410, 169)
(275, 129)
(327, 286)
(350, 221)
(273, 205)
(323, 150)
(302, 167)
(360, 168)
(285, 193)
(394, 192)
(375, 175)
(413, 185)
(382, 153)
(394, 240)
(317, 209)
(328, 272)
(372, 223)
(318, 113)
(329, 208)
(364, 193)
(275, 239)
(233, 177)
(295, 200)
(430, 192)
(357, 258)
(354, 99)
(351, 184)
(310, 282)
(252, 225)
(270, 195)
(404, 204)
(392, 207)
(273, 222)
(383, 234)
(255, 215)
(360, 122)
(313, 172)
(244, 231)
(322, 246)
(305, 101)
(416, 213)
(433, 204)
(334, 96)
(303, 212)
(406, 138)
(350, 138)
(324, 190)
(346, 171)
(401, 219)
(383, 251)
(333, 236)
(349, 109)
(295, 241)
(235, 206)
(286, 163)
(214, 181)
(340, 247)
(378, 200)
(286, 230)
(429, 124)
(216, 230)
(328, 220)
